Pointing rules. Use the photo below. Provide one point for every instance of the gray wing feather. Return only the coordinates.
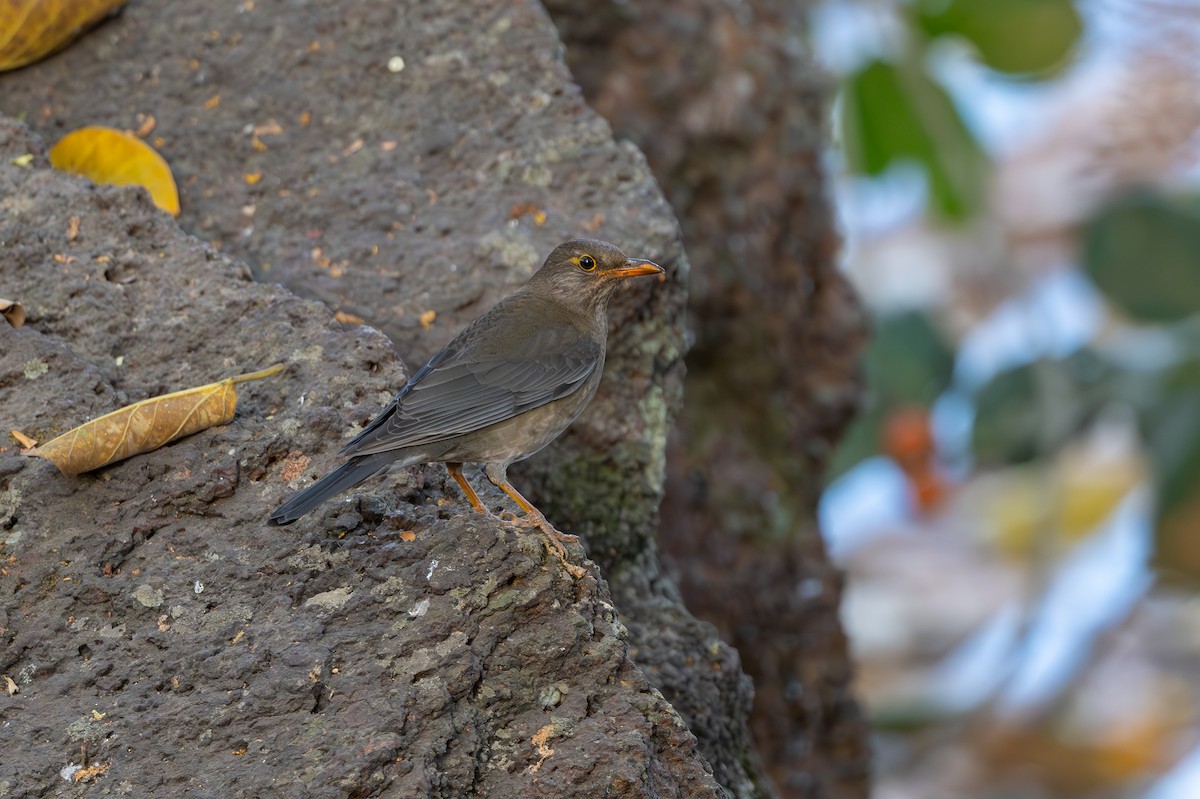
(463, 390)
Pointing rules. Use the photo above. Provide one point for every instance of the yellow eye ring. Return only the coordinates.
(587, 263)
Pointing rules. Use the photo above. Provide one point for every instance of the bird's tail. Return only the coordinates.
(348, 475)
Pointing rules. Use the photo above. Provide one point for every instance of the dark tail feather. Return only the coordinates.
(346, 476)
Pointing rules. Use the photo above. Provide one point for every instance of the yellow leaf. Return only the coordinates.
(1067, 499)
(145, 425)
(30, 30)
(109, 156)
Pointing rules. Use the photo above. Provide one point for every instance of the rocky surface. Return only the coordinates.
(160, 636)
(730, 110)
(408, 164)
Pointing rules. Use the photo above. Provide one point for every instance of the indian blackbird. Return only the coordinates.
(506, 386)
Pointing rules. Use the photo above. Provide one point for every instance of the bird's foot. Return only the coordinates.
(555, 540)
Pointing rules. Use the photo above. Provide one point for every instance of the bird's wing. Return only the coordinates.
(462, 390)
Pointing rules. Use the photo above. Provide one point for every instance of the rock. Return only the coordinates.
(462, 660)
(408, 165)
(730, 110)
(286, 661)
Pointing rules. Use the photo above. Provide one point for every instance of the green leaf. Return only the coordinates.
(1143, 251)
(1032, 410)
(859, 442)
(1008, 418)
(891, 113)
(907, 363)
(1018, 37)
(1171, 427)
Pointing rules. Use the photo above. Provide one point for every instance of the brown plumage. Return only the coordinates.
(506, 386)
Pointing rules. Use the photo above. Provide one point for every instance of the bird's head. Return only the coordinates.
(585, 272)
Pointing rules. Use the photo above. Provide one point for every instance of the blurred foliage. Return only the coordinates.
(1016, 37)
(893, 111)
(1025, 413)
(1143, 251)
(909, 361)
(1048, 464)
(1171, 428)
(908, 364)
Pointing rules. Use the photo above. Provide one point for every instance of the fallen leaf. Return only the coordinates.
(519, 210)
(110, 156)
(10, 686)
(348, 318)
(427, 318)
(408, 535)
(146, 125)
(268, 128)
(86, 774)
(25, 441)
(12, 311)
(145, 426)
(30, 30)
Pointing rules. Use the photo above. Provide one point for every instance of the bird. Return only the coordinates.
(506, 386)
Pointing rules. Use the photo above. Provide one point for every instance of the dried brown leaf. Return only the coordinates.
(12, 311)
(347, 318)
(30, 30)
(145, 425)
(91, 772)
(25, 441)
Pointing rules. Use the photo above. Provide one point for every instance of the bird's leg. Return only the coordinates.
(498, 474)
(455, 470)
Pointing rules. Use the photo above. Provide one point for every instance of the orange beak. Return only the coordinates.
(637, 266)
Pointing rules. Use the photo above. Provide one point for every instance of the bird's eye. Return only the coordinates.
(587, 263)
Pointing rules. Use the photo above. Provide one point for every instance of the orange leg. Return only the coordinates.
(498, 474)
(455, 470)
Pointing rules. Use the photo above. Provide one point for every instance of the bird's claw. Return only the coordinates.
(555, 540)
